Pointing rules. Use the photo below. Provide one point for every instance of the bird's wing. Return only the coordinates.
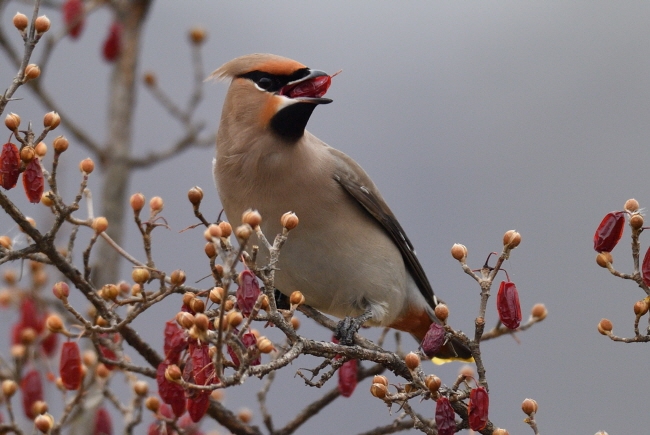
(357, 183)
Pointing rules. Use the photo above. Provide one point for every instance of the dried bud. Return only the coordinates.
(9, 388)
(173, 373)
(243, 232)
(185, 319)
(433, 383)
(102, 371)
(156, 204)
(631, 205)
(605, 326)
(636, 221)
(5, 242)
(539, 311)
(177, 277)
(137, 202)
(264, 345)
(412, 360)
(641, 307)
(603, 258)
(42, 25)
(217, 294)
(245, 415)
(140, 275)
(27, 154)
(226, 229)
(100, 321)
(12, 121)
(60, 144)
(195, 195)
(295, 323)
(197, 305)
(378, 390)
(459, 252)
(466, 370)
(54, 323)
(529, 406)
(213, 232)
(51, 120)
(252, 218)
(500, 431)
(152, 403)
(99, 224)
(210, 250)
(442, 312)
(141, 388)
(379, 379)
(40, 149)
(297, 298)
(234, 318)
(110, 292)
(511, 239)
(149, 78)
(87, 166)
(32, 71)
(228, 304)
(201, 321)
(44, 422)
(20, 21)
(61, 290)
(197, 35)
(188, 297)
(264, 304)
(289, 220)
(40, 407)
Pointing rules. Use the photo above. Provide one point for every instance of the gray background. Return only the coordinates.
(472, 118)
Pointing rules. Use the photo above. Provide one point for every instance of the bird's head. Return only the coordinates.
(272, 92)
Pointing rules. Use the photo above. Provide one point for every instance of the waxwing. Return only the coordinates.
(349, 256)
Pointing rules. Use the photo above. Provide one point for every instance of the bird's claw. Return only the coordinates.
(345, 330)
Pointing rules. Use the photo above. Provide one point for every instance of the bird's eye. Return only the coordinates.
(265, 83)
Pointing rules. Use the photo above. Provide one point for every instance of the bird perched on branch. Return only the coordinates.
(349, 256)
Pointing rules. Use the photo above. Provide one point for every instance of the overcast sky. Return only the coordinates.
(472, 118)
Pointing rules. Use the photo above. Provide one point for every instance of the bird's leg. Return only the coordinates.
(349, 326)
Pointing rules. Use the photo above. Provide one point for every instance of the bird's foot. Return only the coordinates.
(346, 328)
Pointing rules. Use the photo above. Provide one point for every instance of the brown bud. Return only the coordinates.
(173, 373)
(9, 388)
(61, 290)
(289, 220)
(5, 242)
(152, 403)
(605, 326)
(32, 71)
(217, 294)
(27, 154)
(54, 323)
(201, 321)
(197, 35)
(243, 232)
(12, 121)
(539, 311)
(10, 276)
(87, 166)
(149, 78)
(603, 258)
(89, 358)
(226, 229)
(195, 195)
(641, 307)
(295, 323)
(46, 199)
(177, 277)
(442, 312)
(39, 407)
(459, 252)
(110, 292)
(228, 304)
(99, 224)
(156, 204)
(60, 144)
(378, 390)
(51, 120)
(185, 319)
(124, 288)
(432, 383)
(379, 379)
(412, 360)
(631, 205)
(40, 149)
(44, 422)
(264, 304)
(297, 298)
(234, 318)
(20, 21)
(264, 345)
(217, 395)
(529, 406)
(137, 202)
(210, 250)
(214, 231)
(252, 218)
(18, 351)
(500, 431)
(42, 25)
(511, 239)
(100, 321)
(467, 371)
(136, 289)
(140, 275)
(197, 305)
(636, 221)
(188, 297)
(28, 336)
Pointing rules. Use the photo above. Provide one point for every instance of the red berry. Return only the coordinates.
(113, 42)
(348, 377)
(609, 232)
(73, 15)
(247, 292)
(433, 340)
(445, 417)
(103, 425)
(32, 389)
(479, 402)
(508, 305)
(313, 88)
(9, 165)
(33, 181)
(645, 268)
(70, 365)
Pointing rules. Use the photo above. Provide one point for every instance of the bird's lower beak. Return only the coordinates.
(309, 89)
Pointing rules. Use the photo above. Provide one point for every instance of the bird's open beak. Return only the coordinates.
(309, 89)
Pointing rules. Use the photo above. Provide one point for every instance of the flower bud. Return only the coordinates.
(289, 220)
(54, 323)
(51, 120)
(99, 224)
(213, 232)
(379, 379)
(5, 242)
(61, 290)
(252, 218)
(177, 277)
(529, 406)
(511, 239)
(264, 345)
(39, 407)
(234, 318)
(156, 204)
(87, 166)
(378, 390)
(210, 250)
(42, 24)
(110, 292)
(140, 275)
(201, 321)
(60, 144)
(636, 221)
(442, 312)
(243, 232)
(228, 304)
(605, 326)
(217, 294)
(27, 154)
(295, 323)
(459, 252)
(197, 35)
(226, 229)
(197, 305)
(141, 388)
(539, 311)
(20, 21)
(137, 202)
(173, 373)
(603, 258)
(195, 195)
(641, 307)
(12, 121)
(297, 298)
(32, 71)
(44, 422)
(152, 403)
(500, 431)
(631, 205)
(412, 360)
(188, 297)
(432, 383)
(185, 319)
(40, 149)
(149, 78)
(9, 388)
(245, 415)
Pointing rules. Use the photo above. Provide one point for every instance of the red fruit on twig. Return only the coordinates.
(433, 340)
(609, 232)
(32, 389)
(348, 377)
(479, 402)
(103, 425)
(9, 166)
(33, 181)
(70, 365)
(645, 268)
(73, 15)
(508, 305)
(445, 417)
(247, 292)
(113, 42)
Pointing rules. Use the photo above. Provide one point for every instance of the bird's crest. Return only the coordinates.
(269, 63)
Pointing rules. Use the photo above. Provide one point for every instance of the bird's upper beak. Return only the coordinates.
(309, 89)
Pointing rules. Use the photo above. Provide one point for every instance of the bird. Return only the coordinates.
(349, 256)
